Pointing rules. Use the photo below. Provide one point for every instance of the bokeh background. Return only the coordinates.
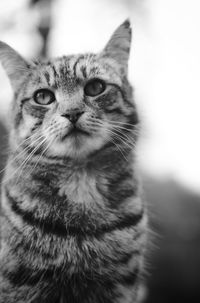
(165, 71)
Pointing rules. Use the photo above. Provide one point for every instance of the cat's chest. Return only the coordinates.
(80, 188)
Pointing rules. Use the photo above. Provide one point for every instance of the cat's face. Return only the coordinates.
(72, 106)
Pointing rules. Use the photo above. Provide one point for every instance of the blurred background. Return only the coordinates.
(165, 71)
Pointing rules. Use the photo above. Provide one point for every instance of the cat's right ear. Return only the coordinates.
(14, 65)
(118, 47)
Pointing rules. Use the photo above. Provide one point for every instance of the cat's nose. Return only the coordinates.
(73, 116)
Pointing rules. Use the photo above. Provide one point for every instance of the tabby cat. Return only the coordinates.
(73, 224)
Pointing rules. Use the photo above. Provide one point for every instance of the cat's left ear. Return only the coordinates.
(118, 47)
(14, 65)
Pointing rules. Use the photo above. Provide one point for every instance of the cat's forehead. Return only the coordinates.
(69, 70)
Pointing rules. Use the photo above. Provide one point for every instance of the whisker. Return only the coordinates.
(36, 148)
(116, 122)
(122, 139)
(27, 147)
(119, 148)
(124, 123)
(133, 131)
(19, 154)
(126, 136)
(25, 162)
(93, 123)
(117, 132)
(30, 156)
(40, 156)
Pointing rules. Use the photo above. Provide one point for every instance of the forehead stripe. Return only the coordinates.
(56, 75)
(47, 77)
(75, 64)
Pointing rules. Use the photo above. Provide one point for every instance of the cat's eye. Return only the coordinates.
(94, 87)
(44, 96)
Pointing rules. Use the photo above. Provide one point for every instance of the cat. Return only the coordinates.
(73, 223)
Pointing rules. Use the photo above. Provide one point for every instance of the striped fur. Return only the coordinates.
(73, 224)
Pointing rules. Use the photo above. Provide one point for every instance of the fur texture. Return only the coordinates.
(73, 226)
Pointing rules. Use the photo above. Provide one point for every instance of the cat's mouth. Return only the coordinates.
(75, 132)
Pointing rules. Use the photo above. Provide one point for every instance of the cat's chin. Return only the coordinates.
(76, 146)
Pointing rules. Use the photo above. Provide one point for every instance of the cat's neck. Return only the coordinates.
(59, 169)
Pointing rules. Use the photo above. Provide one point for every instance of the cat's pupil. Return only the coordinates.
(94, 87)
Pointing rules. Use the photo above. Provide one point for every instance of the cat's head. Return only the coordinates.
(73, 105)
